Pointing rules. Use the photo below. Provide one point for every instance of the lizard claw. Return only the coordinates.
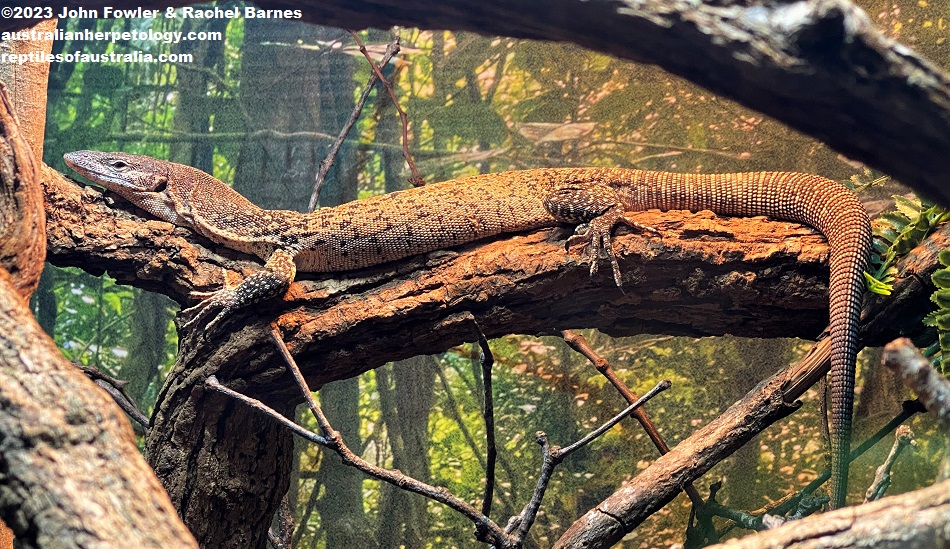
(599, 245)
(224, 300)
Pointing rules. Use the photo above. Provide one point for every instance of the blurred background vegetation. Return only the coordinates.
(260, 109)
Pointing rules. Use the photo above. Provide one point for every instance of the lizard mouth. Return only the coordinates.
(89, 165)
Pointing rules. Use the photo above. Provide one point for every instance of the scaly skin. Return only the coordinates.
(401, 224)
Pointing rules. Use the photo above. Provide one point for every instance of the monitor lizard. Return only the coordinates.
(441, 215)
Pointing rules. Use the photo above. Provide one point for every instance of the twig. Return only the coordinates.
(802, 503)
(701, 531)
(882, 477)
(933, 390)
(215, 385)
(115, 388)
(485, 529)
(391, 50)
(452, 410)
(908, 409)
(577, 342)
(553, 455)
(488, 413)
(416, 179)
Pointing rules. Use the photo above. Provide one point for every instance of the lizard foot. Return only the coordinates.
(271, 282)
(224, 301)
(596, 235)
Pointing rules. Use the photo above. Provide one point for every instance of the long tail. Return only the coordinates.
(821, 203)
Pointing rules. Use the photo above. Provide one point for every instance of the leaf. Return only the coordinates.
(944, 257)
(895, 220)
(885, 233)
(931, 350)
(930, 320)
(941, 298)
(944, 338)
(941, 278)
(880, 246)
(909, 207)
(877, 286)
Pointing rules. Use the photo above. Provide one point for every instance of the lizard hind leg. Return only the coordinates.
(272, 281)
(597, 209)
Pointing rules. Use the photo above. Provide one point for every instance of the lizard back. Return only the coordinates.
(405, 223)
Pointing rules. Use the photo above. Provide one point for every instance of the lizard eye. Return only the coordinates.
(118, 164)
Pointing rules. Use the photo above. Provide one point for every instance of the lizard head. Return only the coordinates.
(139, 179)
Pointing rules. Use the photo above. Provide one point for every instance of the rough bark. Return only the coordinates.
(71, 473)
(22, 223)
(819, 66)
(915, 519)
(27, 85)
(703, 276)
(626, 508)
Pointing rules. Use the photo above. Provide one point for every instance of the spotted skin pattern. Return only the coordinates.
(442, 215)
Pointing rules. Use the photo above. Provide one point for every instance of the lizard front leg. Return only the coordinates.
(597, 209)
(272, 281)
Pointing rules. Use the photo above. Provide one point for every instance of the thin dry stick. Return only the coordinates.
(903, 438)
(452, 410)
(116, 389)
(553, 455)
(416, 179)
(791, 502)
(577, 342)
(488, 413)
(391, 50)
(933, 390)
(908, 409)
(485, 529)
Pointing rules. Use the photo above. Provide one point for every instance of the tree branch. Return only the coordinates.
(914, 519)
(751, 282)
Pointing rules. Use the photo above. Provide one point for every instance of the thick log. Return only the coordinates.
(72, 475)
(702, 276)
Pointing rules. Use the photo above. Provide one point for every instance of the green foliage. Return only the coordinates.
(898, 232)
(895, 234)
(937, 346)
